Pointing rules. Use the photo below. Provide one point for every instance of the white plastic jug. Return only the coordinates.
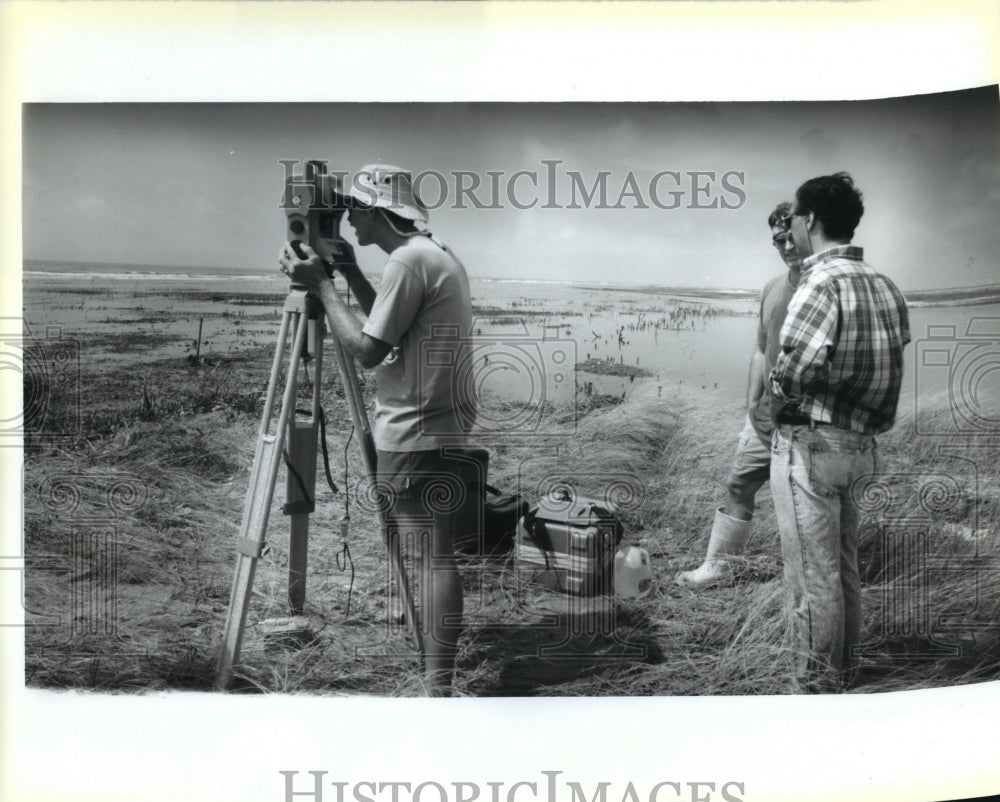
(633, 574)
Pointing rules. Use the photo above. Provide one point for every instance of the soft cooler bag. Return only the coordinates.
(569, 544)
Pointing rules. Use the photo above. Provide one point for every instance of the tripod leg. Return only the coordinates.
(263, 475)
(302, 439)
(397, 570)
(397, 567)
(302, 456)
(272, 382)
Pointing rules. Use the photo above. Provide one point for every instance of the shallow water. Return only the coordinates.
(705, 343)
(532, 335)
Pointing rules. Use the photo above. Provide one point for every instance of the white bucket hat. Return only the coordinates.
(388, 187)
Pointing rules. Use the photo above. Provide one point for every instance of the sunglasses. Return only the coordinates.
(786, 221)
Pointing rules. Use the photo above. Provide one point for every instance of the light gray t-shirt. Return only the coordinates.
(423, 309)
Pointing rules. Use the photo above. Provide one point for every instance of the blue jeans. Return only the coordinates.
(815, 475)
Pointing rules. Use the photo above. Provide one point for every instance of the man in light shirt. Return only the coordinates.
(420, 425)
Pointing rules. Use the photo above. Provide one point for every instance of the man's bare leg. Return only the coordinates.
(432, 547)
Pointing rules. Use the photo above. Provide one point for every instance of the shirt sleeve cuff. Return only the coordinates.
(776, 390)
(373, 330)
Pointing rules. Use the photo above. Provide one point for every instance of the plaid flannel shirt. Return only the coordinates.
(842, 343)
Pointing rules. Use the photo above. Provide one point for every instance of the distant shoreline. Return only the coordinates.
(956, 296)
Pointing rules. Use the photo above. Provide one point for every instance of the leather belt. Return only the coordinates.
(802, 420)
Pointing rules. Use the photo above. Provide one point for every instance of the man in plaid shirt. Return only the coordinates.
(835, 385)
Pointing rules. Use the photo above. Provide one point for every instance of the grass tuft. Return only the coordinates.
(132, 511)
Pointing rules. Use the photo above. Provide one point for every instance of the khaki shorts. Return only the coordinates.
(425, 482)
(752, 463)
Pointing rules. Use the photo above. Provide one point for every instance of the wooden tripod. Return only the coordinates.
(302, 325)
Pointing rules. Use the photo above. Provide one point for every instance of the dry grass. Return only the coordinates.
(130, 525)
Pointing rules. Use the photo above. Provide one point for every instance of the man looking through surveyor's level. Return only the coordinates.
(424, 291)
(752, 463)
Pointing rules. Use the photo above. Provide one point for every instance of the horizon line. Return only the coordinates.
(994, 287)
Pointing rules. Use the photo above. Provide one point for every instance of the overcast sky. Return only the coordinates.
(199, 184)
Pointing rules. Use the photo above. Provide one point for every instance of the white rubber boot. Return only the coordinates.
(728, 538)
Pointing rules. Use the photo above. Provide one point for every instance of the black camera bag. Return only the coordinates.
(501, 513)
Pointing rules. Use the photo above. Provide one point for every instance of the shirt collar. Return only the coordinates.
(853, 252)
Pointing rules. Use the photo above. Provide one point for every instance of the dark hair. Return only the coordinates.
(777, 217)
(835, 201)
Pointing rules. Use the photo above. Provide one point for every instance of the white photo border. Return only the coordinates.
(919, 745)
